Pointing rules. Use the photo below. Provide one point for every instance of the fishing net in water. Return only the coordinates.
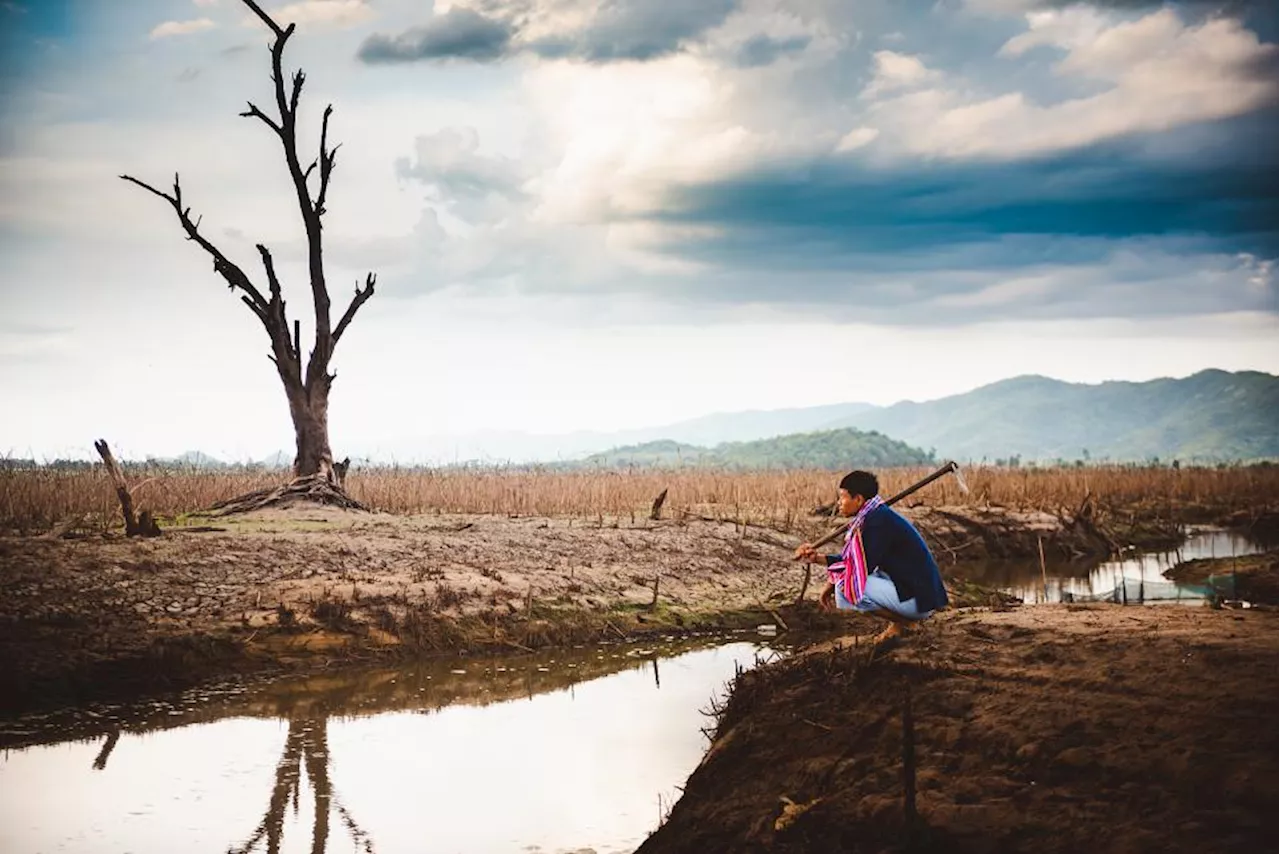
(1137, 591)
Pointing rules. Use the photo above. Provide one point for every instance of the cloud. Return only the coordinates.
(761, 50)
(1218, 197)
(303, 12)
(205, 2)
(633, 30)
(897, 71)
(552, 29)
(472, 185)
(1152, 74)
(1226, 8)
(856, 138)
(181, 28)
(459, 33)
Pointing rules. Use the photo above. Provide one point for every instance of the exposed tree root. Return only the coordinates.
(310, 489)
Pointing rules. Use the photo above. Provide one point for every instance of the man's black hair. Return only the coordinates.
(860, 482)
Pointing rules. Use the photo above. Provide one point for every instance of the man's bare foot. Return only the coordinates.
(893, 631)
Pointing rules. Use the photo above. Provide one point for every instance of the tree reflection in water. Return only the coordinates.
(307, 744)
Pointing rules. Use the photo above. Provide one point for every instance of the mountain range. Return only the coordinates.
(1210, 416)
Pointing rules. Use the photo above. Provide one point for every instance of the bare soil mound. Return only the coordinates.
(1047, 729)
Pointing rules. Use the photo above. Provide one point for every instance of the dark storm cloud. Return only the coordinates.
(637, 29)
(457, 34)
(1219, 196)
(1256, 15)
(618, 30)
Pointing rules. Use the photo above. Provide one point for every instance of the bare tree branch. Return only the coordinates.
(362, 296)
(265, 18)
(254, 112)
(299, 77)
(272, 281)
(327, 159)
(234, 276)
(262, 315)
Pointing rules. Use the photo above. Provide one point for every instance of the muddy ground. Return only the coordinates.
(1055, 728)
(1046, 728)
(306, 586)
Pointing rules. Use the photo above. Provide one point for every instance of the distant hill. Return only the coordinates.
(1210, 416)
(841, 449)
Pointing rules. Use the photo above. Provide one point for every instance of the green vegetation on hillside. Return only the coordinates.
(841, 449)
(1211, 416)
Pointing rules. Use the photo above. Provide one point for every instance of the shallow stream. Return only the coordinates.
(1131, 580)
(569, 752)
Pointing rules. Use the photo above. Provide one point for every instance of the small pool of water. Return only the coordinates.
(568, 752)
(1131, 580)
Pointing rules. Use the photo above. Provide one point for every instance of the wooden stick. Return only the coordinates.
(1044, 577)
(804, 588)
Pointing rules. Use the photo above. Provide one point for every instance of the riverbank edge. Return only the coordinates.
(171, 664)
(1254, 578)
(328, 637)
(811, 752)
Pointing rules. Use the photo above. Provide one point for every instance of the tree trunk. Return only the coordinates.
(311, 434)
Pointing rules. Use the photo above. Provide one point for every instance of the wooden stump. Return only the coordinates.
(655, 513)
(142, 525)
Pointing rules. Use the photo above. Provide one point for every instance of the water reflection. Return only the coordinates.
(1137, 579)
(546, 753)
(307, 742)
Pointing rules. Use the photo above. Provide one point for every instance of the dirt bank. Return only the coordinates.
(1254, 578)
(1046, 729)
(307, 586)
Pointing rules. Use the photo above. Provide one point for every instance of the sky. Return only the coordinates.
(592, 216)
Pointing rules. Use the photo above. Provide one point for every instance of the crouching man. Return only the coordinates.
(885, 568)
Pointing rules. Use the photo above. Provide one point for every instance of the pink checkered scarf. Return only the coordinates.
(851, 569)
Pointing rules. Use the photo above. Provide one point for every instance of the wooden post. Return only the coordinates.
(908, 767)
(133, 525)
(1044, 576)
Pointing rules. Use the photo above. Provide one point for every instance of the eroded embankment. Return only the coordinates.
(307, 586)
(1053, 729)
(1254, 578)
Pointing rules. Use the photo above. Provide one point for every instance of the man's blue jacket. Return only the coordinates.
(894, 546)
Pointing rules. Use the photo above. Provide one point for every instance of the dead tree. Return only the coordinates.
(306, 389)
(135, 524)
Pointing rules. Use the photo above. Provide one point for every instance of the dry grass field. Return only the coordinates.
(36, 500)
